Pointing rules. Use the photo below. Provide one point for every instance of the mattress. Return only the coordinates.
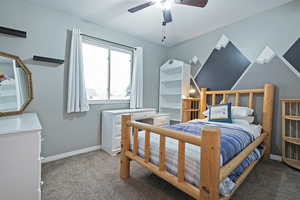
(245, 132)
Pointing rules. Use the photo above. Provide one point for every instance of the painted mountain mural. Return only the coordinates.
(293, 55)
(271, 68)
(223, 67)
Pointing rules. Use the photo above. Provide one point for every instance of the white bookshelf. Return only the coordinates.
(174, 85)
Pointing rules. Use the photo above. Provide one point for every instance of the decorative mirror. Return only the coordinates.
(15, 85)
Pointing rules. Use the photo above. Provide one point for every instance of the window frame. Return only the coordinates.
(110, 47)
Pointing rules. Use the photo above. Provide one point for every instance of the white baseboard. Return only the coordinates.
(275, 157)
(69, 154)
(94, 148)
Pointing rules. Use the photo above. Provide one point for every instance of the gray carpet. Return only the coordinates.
(95, 176)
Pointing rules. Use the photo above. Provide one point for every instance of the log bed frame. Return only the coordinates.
(211, 172)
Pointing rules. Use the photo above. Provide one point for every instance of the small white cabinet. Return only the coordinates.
(111, 125)
(20, 161)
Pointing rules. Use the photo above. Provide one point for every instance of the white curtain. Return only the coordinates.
(77, 96)
(136, 97)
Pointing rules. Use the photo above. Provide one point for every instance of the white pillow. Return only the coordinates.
(249, 119)
(238, 111)
(240, 122)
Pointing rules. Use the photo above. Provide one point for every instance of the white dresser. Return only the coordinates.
(111, 125)
(20, 162)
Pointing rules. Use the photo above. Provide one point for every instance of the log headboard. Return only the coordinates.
(192, 108)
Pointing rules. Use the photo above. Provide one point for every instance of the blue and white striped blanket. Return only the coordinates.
(233, 141)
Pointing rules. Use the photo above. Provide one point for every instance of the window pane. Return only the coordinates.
(120, 77)
(95, 60)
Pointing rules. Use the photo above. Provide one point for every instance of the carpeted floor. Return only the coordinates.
(95, 176)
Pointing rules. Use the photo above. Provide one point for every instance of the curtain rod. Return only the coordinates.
(130, 47)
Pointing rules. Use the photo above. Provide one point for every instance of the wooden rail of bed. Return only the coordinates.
(211, 173)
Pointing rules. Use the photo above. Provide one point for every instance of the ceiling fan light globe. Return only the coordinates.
(164, 5)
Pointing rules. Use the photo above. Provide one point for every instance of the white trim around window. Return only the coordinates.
(110, 48)
(122, 101)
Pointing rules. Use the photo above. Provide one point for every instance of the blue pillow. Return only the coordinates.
(220, 113)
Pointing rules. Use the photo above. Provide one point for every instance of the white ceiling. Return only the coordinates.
(188, 22)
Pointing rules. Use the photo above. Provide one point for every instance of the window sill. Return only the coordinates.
(95, 102)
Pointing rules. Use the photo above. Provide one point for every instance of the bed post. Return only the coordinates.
(210, 163)
(203, 102)
(268, 107)
(125, 146)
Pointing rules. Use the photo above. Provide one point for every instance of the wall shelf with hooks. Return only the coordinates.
(13, 32)
(47, 59)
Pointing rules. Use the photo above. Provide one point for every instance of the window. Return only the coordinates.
(107, 72)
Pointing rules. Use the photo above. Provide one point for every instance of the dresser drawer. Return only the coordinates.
(117, 130)
(162, 124)
(117, 119)
(142, 115)
(112, 126)
(116, 143)
(161, 120)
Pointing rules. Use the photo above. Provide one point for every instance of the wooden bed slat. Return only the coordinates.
(213, 100)
(237, 99)
(147, 147)
(162, 153)
(224, 98)
(135, 141)
(181, 161)
(250, 100)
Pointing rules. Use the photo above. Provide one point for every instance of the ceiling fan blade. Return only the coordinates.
(140, 7)
(197, 3)
(167, 15)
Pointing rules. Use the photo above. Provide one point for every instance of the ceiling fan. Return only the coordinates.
(166, 7)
